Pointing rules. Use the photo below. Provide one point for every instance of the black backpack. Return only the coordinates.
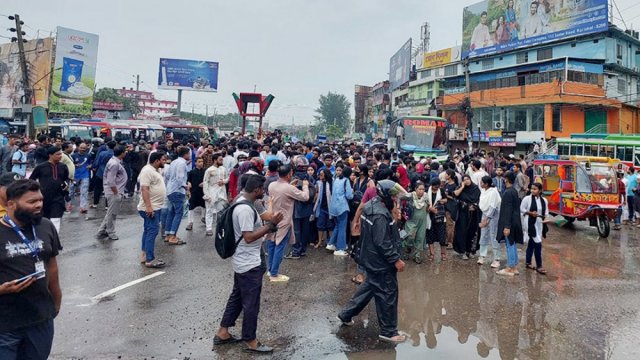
(225, 240)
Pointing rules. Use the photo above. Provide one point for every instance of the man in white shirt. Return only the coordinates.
(481, 37)
(215, 192)
(532, 25)
(477, 172)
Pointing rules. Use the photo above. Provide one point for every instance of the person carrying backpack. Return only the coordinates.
(248, 266)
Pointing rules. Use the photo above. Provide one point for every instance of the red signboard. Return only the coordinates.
(107, 105)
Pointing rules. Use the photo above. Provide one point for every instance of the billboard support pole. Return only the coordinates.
(31, 131)
(178, 112)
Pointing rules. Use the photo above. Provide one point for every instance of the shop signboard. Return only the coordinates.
(501, 138)
(441, 57)
(74, 74)
(494, 26)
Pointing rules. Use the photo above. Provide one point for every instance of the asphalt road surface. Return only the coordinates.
(114, 308)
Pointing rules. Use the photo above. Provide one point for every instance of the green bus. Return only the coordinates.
(623, 147)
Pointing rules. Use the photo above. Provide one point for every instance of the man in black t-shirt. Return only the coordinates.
(30, 293)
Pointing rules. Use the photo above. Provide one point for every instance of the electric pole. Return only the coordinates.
(26, 99)
(138, 82)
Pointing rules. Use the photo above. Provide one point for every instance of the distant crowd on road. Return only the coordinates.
(378, 206)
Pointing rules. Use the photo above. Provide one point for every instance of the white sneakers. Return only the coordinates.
(331, 247)
(480, 260)
(340, 253)
(495, 264)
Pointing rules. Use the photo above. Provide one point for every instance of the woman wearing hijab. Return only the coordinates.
(436, 222)
(468, 196)
(534, 209)
(416, 227)
(490, 206)
(196, 198)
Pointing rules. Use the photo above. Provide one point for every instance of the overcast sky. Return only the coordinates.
(293, 49)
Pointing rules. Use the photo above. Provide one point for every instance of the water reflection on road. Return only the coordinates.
(585, 308)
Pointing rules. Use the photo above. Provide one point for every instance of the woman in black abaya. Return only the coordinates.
(465, 240)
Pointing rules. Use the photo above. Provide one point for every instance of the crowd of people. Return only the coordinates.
(379, 206)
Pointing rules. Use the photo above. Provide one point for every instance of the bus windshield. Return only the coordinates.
(422, 133)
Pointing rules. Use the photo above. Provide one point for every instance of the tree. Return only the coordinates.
(334, 132)
(334, 110)
(111, 95)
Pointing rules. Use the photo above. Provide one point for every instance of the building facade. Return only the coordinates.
(150, 107)
(585, 84)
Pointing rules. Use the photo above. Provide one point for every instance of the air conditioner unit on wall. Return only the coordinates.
(498, 125)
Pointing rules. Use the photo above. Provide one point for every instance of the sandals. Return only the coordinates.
(154, 264)
(177, 242)
(443, 256)
(356, 281)
(398, 339)
(541, 271)
(530, 267)
(189, 227)
(431, 257)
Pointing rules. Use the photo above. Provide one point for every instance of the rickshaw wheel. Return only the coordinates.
(603, 226)
(569, 219)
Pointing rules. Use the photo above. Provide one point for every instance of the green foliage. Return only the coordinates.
(333, 110)
(335, 132)
(111, 95)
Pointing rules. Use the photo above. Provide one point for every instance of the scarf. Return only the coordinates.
(470, 194)
(531, 225)
(419, 203)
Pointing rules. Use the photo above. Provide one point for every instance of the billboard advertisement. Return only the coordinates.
(493, 26)
(194, 75)
(38, 55)
(441, 57)
(400, 66)
(74, 74)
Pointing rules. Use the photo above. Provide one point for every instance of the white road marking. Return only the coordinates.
(124, 286)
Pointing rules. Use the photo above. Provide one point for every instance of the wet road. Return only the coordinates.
(587, 307)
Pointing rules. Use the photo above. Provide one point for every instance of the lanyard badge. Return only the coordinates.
(32, 245)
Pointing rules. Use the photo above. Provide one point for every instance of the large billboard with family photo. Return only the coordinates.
(494, 26)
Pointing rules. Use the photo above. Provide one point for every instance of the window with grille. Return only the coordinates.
(451, 70)
(544, 54)
(522, 57)
(487, 64)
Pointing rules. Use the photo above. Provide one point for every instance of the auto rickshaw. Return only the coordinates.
(581, 188)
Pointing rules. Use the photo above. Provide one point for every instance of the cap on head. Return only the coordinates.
(8, 178)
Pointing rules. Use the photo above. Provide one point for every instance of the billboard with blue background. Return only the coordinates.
(194, 75)
(494, 26)
(400, 66)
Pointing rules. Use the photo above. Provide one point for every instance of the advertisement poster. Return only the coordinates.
(194, 75)
(493, 26)
(38, 55)
(441, 57)
(400, 66)
(74, 74)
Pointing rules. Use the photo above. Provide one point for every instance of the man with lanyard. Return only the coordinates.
(30, 294)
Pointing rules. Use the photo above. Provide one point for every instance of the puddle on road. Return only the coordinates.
(458, 310)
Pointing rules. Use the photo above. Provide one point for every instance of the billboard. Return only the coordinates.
(493, 26)
(441, 57)
(74, 74)
(400, 66)
(194, 75)
(38, 55)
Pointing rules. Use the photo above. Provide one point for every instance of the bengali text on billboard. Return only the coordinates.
(441, 57)
(74, 74)
(38, 56)
(400, 66)
(493, 26)
(194, 75)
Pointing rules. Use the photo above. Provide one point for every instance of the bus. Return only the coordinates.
(185, 133)
(623, 147)
(423, 135)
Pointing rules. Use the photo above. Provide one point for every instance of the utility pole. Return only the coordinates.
(206, 121)
(179, 109)
(26, 99)
(138, 82)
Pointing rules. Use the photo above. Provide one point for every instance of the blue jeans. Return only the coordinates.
(175, 212)
(276, 253)
(632, 213)
(33, 342)
(151, 230)
(339, 234)
(302, 228)
(512, 254)
(618, 219)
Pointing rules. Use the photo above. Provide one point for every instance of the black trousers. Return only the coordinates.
(98, 188)
(132, 181)
(245, 296)
(384, 288)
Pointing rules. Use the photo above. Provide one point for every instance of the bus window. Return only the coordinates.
(563, 149)
(628, 153)
(587, 150)
(576, 149)
(606, 151)
(636, 157)
(620, 152)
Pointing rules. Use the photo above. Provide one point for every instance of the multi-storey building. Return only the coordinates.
(584, 84)
(150, 107)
